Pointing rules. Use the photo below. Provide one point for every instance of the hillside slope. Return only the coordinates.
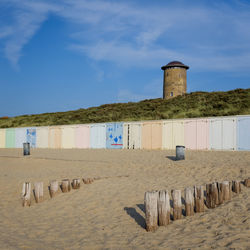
(197, 104)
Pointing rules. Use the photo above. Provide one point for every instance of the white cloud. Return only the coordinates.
(129, 34)
(126, 55)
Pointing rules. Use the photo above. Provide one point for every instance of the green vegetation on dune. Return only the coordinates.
(197, 104)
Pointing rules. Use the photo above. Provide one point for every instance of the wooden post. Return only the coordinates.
(53, 188)
(247, 182)
(212, 195)
(76, 183)
(236, 186)
(220, 194)
(199, 199)
(66, 185)
(177, 209)
(38, 191)
(151, 212)
(226, 191)
(26, 194)
(163, 208)
(87, 180)
(230, 190)
(189, 201)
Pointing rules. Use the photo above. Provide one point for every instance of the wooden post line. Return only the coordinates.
(157, 203)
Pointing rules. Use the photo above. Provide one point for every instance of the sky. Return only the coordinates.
(60, 55)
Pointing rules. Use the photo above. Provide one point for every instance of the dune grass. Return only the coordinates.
(197, 104)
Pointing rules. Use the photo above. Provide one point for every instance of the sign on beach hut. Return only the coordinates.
(68, 136)
(2, 137)
(20, 137)
(152, 135)
(31, 137)
(196, 134)
(82, 136)
(55, 137)
(222, 133)
(10, 140)
(243, 133)
(132, 135)
(114, 135)
(98, 136)
(172, 134)
(42, 137)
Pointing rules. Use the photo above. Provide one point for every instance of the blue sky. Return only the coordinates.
(70, 54)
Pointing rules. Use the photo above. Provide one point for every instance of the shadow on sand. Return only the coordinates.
(172, 158)
(131, 211)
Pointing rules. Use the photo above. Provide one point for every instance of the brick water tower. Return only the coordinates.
(175, 79)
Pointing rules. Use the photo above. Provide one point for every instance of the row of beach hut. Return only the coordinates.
(216, 133)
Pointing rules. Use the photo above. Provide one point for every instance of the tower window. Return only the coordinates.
(171, 94)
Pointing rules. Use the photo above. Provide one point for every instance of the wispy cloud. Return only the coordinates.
(215, 37)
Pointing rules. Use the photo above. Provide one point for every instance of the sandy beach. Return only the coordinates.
(109, 213)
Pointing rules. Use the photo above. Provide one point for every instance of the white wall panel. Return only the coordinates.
(222, 133)
(21, 134)
(68, 136)
(132, 133)
(167, 135)
(173, 134)
(229, 133)
(98, 136)
(42, 137)
(243, 133)
(2, 137)
(215, 133)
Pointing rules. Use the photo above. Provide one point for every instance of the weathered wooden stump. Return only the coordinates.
(26, 201)
(87, 180)
(247, 182)
(220, 194)
(236, 187)
(189, 201)
(163, 208)
(226, 194)
(151, 212)
(65, 185)
(177, 208)
(38, 191)
(199, 199)
(230, 190)
(76, 183)
(53, 188)
(212, 195)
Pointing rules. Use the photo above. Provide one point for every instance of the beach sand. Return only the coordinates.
(109, 213)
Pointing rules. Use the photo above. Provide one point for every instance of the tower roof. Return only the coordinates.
(175, 64)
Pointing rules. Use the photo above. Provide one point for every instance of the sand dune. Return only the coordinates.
(109, 213)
